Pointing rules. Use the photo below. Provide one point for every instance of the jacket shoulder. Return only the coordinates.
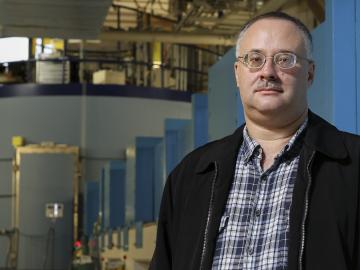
(351, 141)
(209, 150)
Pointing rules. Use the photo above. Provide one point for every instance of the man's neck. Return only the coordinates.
(273, 138)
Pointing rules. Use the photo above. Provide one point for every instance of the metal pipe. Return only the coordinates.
(167, 37)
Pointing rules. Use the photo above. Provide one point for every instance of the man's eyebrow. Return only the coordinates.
(262, 51)
(285, 51)
(255, 50)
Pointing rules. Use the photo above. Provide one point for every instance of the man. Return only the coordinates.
(283, 191)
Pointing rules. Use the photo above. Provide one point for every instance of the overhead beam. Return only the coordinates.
(50, 32)
(272, 5)
(169, 37)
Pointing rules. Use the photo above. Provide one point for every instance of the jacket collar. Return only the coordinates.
(222, 151)
(320, 136)
(325, 138)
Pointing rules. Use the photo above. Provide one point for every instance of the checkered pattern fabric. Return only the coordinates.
(253, 232)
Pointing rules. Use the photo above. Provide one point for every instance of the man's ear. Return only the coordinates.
(235, 72)
(311, 73)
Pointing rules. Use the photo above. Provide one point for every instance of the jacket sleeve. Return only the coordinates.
(162, 258)
(357, 233)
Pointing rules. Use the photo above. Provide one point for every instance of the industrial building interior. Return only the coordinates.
(100, 99)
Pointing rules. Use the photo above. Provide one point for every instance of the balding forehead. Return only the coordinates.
(305, 39)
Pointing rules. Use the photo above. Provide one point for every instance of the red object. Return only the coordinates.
(77, 244)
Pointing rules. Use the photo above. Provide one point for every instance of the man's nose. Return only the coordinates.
(268, 71)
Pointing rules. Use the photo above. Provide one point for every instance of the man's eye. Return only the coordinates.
(255, 59)
(284, 59)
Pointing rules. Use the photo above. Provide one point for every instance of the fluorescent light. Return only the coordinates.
(14, 49)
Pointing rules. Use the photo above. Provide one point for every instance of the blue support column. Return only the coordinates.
(343, 18)
(91, 205)
(357, 50)
(200, 118)
(178, 141)
(146, 164)
(334, 94)
(114, 213)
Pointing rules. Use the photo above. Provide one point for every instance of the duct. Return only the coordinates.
(168, 37)
(47, 18)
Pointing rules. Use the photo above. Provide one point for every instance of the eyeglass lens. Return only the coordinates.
(257, 60)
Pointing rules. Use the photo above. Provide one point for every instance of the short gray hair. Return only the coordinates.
(282, 16)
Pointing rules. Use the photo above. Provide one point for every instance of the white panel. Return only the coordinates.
(14, 49)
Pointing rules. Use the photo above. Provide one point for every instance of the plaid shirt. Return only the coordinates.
(253, 232)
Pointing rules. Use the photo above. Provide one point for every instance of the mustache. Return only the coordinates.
(268, 85)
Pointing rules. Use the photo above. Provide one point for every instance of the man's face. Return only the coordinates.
(271, 90)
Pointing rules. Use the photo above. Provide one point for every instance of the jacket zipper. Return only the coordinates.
(205, 243)
(302, 247)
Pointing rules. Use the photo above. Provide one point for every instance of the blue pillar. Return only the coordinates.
(357, 50)
(342, 15)
(146, 174)
(114, 203)
(200, 118)
(178, 141)
(91, 205)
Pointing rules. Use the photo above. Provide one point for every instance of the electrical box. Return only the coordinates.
(18, 141)
(54, 210)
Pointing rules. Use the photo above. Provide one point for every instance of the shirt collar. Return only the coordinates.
(248, 146)
(251, 148)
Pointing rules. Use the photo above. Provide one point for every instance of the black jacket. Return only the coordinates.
(324, 215)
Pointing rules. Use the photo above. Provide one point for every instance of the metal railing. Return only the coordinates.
(76, 70)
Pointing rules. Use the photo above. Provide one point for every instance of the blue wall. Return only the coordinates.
(320, 94)
(345, 30)
(334, 94)
(225, 109)
(102, 123)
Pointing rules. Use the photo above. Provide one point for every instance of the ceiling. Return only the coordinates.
(211, 22)
(53, 18)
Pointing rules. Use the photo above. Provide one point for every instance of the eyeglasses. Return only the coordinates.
(284, 60)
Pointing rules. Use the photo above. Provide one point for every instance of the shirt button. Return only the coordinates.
(257, 212)
(250, 250)
(263, 177)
